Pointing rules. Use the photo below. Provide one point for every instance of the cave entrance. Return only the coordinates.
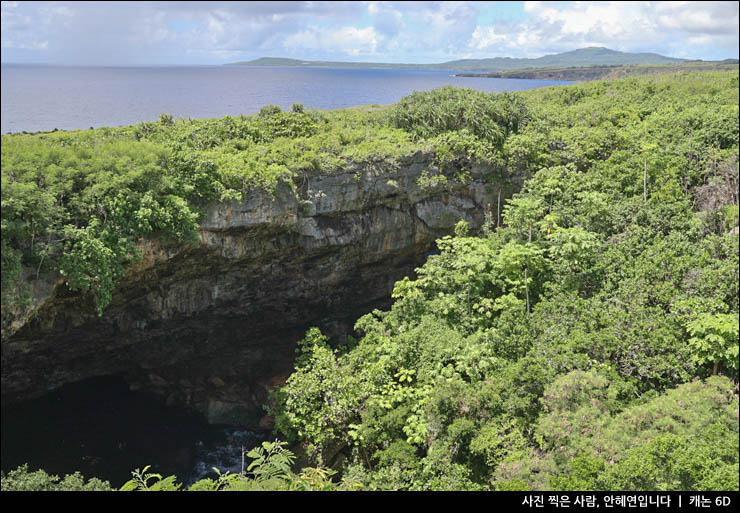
(102, 429)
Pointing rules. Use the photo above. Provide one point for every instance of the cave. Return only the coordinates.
(101, 428)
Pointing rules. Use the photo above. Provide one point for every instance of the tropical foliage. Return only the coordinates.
(589, 341)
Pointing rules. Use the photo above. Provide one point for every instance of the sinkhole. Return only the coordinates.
(103, 429)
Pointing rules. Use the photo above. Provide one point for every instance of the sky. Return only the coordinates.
(217, 32)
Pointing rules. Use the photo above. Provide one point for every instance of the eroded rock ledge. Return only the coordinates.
(213, 327)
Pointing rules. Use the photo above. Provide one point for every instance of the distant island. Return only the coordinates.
(583, 57)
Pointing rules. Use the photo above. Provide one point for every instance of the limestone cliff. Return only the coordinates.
(213, 327)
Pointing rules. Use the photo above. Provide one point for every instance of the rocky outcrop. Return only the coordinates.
(214, 327)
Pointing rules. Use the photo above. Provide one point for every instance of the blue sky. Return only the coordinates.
(216, 32)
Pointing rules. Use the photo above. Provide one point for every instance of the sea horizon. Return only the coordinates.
(41, 97)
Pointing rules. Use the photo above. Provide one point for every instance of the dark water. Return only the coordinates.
(36, 98)
(102, 429)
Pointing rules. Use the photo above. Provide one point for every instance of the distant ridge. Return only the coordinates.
(281, 61)
(592, 56)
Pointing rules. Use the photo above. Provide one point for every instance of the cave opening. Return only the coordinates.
(101, 428)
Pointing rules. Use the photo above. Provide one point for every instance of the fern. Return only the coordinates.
(271, 461)
(211, 485)
(140, 482)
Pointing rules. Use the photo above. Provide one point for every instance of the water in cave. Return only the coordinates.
(102, 429)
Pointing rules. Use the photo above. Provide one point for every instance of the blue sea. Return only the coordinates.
(40, 98)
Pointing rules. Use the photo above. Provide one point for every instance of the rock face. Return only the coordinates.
(213, 327)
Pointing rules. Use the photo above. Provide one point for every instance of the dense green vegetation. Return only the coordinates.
(78, 202)
(22, 480)
(589, 341)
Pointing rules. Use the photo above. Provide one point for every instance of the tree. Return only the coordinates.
(573, 245)
(714, 339)
(517, 263)
(522, 212)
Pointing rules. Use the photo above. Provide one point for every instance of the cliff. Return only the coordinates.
(212, 328)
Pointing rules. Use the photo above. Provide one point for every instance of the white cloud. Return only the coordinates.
(663, 27)
(605, 21)
(347, 40)
(484, 37)
(143, 32)
(703, 17)
(22, 30)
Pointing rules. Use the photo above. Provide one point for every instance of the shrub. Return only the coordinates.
(269, 110)
(491, 117)
(21, 479)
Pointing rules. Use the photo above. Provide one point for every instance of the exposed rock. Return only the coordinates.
(157, 381)
(217, 382)
(217, 324)
(267, 423)
(36, 289)
(228, 413)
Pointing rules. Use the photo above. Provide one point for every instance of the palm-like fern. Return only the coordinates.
(271, 461)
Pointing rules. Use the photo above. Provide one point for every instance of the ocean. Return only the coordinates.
(40, 98)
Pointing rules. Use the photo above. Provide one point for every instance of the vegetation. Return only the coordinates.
(270, 470)
(21, 479)
(583, 73)
(77, 203)
(591, 343)
(588, 342)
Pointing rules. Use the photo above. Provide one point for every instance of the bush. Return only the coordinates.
(491, 117)
(269, 110)
(21, 480)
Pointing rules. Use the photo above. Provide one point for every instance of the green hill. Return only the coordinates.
(593, 56)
